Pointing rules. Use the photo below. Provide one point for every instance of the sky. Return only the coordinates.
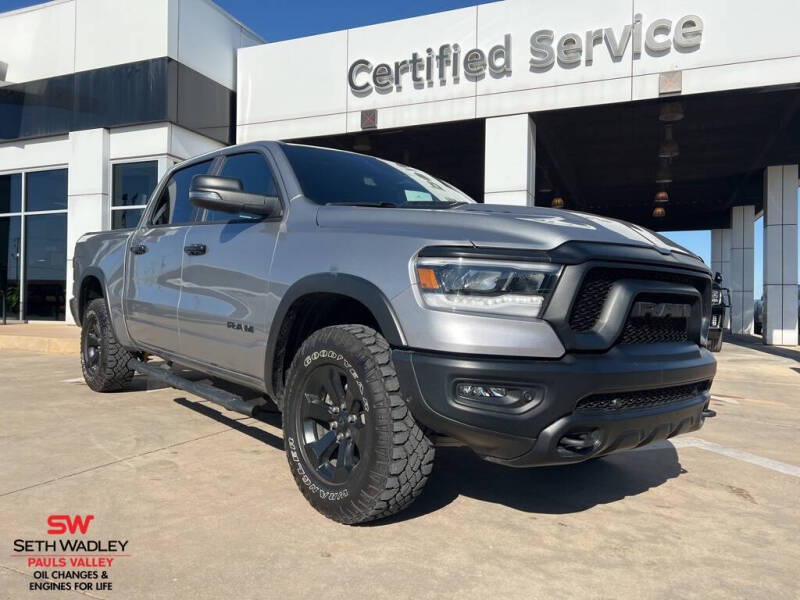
(276, 20)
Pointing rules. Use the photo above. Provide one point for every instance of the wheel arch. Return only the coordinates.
(92, 286)
(352, 292)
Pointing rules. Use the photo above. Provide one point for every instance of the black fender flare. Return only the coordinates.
(351, 286)
(98, 274)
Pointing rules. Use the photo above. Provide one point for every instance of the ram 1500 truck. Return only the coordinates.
(384, 311)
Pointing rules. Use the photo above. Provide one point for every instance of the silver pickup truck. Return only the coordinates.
(385, 312)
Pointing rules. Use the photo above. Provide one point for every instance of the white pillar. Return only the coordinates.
(780, 255)
(721, 261)
(88, 191)
(510, 160)
(741, 269)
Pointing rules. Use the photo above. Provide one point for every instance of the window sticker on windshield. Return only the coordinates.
(418, 196)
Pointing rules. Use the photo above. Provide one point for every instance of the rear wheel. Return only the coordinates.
(103, 359)
(355, 450)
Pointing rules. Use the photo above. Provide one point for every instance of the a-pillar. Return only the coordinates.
(741, 269)
(88, 190)
(780, 255)
(510, 160)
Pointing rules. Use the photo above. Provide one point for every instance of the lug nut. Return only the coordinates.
(339, 437)
(347, 434)
(352, 419)
(335, 410)
(334, 424)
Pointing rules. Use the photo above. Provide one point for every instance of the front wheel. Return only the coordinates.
(355, 450)
(103, 359)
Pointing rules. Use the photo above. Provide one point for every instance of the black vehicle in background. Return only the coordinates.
(720, 303)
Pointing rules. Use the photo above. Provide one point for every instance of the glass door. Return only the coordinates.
(33, 244)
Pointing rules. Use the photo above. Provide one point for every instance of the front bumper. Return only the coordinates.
(535, 436)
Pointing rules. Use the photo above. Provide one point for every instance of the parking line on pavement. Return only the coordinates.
(753, 459)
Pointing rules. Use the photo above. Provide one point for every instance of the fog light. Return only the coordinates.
(492, 396)
(475, 390)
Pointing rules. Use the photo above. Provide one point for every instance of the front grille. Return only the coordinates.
(654, 331)
(591, 298)
(597, 284)
(624, 401)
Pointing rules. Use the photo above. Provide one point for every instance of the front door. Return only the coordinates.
(223, 306)
(155, 254)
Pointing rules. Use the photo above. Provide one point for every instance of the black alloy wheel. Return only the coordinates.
(92, 344)
(332, 424)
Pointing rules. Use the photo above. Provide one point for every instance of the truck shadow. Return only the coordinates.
(546, 490)
(212, 412)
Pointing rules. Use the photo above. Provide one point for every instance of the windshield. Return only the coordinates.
(335, 177)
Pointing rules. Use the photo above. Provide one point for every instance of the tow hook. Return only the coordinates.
(708, 413)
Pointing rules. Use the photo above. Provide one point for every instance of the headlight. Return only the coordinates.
(485, 286)
(716, 297)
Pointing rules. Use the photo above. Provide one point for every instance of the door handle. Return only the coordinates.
(195, 249)
(138, 249)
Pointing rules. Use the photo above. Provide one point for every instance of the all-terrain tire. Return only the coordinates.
(394, 454)
(103, 360)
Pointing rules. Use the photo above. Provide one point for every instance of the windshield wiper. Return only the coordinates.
(436, 205)
(369, 204)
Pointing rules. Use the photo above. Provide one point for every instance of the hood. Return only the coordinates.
(496, 226)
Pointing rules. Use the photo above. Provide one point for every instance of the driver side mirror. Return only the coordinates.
(225, 194)
(717, 277)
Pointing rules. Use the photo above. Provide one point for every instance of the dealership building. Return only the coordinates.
(673, 114)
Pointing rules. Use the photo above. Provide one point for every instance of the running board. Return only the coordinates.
(204, 390)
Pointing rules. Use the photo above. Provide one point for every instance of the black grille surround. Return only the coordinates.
(642, 399)
(597, 284)
(597, 300)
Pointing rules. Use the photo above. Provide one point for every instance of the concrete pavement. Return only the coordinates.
(209, 509)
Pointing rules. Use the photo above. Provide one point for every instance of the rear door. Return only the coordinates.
(155, 254)
(223, 307)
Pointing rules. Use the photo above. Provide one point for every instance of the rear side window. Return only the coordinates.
(173, 206)
(252, 170)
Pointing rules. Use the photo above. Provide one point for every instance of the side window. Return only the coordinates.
(173, 206)
(253, 171)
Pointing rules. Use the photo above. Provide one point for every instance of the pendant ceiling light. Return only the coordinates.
(362, 144)
(662, 197)
(664, 173)
(659, 212)
(671, 112)
(558, 202)
(669, 147)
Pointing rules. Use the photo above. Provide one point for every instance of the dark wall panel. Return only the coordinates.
(159, 89)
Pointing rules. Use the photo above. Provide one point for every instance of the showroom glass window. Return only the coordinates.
(45, 260)
(131, 186)
(33, 244)
(11, 242)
